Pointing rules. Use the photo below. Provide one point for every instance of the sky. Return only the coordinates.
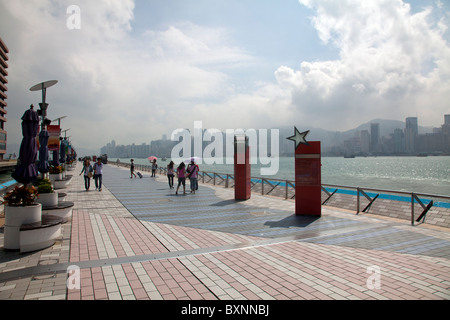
(133, 70)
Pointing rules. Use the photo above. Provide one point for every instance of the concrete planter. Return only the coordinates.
(41, 235)
(14, 218)
(48, 199)
(55, 176)
(61, 184)
(63, 211)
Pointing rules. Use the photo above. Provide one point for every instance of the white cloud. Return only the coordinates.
(117, 84)
(112, 84)
(391, 62)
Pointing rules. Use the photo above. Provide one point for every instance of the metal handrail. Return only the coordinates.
(290, 183)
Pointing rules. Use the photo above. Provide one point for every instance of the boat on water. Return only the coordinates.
(349, 156)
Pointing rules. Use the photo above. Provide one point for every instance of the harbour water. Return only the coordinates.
(412, 174)
(5, 177)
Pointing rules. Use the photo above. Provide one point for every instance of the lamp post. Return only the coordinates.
(43, 113)
(59, 119)
(63, 145)
(43, 105)
(57, 160)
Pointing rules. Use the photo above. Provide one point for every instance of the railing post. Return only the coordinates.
(262, 186)
(412, 208)
(286, 191)
(357, 200)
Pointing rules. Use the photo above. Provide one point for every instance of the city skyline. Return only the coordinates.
(143, 67)
(390, 140)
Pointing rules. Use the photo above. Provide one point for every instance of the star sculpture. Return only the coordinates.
(299, 138)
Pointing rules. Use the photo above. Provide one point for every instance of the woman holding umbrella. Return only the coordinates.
(154, 165)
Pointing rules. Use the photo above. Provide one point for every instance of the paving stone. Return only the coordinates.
(257, 249)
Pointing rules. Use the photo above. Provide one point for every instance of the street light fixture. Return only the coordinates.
(43, 111)
(45, 122)
(59, 119)
(65, 133)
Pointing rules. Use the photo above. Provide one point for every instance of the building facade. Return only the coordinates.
(3, 96)
(411, 134)
(374, 137)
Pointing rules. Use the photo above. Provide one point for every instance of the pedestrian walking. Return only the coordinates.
(88, 172)
(154, 167)
(98, 174)
(181, 174)
(170, 174)
(132, 169)
(193, 175)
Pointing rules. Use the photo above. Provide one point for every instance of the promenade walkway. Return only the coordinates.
(136, 239)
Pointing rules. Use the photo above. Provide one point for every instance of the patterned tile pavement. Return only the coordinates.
(137, 240)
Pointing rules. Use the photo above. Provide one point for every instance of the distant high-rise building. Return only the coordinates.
(411, 133)
(365, 141)
(445, 129)
(447, 119)
(3, 81)
(374, 136)
(399, 141)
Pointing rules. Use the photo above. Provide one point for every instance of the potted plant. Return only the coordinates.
(46, 195)
(55, 173)
(20, 208)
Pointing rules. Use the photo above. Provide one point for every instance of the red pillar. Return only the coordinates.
(308, 179)
(242, 168)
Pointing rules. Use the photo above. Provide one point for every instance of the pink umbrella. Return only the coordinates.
(195, 159)
(152, 158)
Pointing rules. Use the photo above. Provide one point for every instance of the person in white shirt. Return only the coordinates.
(98, 173)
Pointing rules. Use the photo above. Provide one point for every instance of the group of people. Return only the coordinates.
(191, 172)
(95, 171)
(182, 172)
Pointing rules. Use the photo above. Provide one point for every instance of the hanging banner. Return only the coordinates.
(53, 141)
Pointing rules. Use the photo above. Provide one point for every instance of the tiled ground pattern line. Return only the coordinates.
(317, 287)
(273, 223)
(277, 274)
(167, 289)
(219, 292)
